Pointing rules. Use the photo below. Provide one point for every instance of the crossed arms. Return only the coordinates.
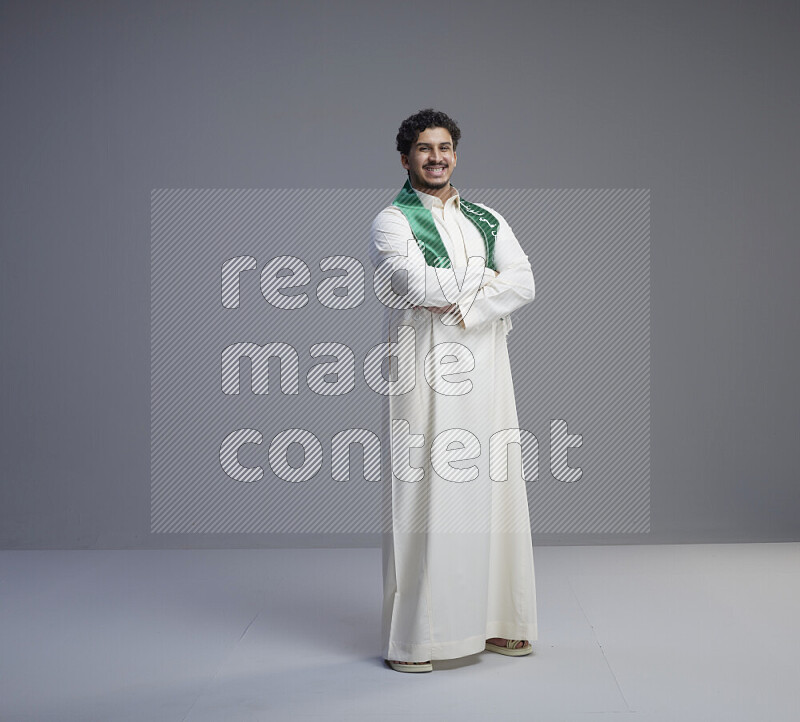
(478, 293)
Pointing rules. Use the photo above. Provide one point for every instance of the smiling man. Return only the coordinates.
(457, 554)
(430, 161)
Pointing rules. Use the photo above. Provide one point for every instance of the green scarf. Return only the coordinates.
(424, 229)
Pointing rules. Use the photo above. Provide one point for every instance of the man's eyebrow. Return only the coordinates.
(446, 142)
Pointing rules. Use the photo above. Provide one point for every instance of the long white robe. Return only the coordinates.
(457, 551)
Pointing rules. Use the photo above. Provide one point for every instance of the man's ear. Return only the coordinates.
(404, 161)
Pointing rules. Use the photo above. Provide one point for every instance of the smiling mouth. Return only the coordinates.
(435, 169)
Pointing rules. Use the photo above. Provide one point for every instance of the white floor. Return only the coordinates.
(694, 632)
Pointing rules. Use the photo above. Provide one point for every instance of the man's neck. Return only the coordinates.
(441, 193)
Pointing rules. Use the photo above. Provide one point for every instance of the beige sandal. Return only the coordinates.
(410, 666)
(509, 648)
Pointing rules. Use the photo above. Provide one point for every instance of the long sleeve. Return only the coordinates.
(511, 288)
(393, 248)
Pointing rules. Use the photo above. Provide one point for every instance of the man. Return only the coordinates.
(457, 555)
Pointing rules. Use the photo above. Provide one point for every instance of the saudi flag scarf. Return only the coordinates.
(424, 229)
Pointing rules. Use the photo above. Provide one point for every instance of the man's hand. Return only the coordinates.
(445, 309)
(454, 306)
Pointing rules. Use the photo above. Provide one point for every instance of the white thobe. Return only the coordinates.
(457, 551)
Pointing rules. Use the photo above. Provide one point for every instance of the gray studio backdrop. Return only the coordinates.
(683, 115)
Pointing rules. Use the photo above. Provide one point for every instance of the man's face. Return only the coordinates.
(431, 160)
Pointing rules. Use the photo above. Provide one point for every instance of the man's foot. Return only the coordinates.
(400, 666)
(511, 648)
(500, 642)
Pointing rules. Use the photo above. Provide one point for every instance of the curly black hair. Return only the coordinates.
(412, 126)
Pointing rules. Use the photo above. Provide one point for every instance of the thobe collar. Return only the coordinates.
(430, 201)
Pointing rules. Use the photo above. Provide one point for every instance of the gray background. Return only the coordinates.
(105, 101)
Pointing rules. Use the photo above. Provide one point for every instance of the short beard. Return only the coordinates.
(425, 183)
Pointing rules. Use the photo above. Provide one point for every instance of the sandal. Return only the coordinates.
(410, 666)
(510, 648)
